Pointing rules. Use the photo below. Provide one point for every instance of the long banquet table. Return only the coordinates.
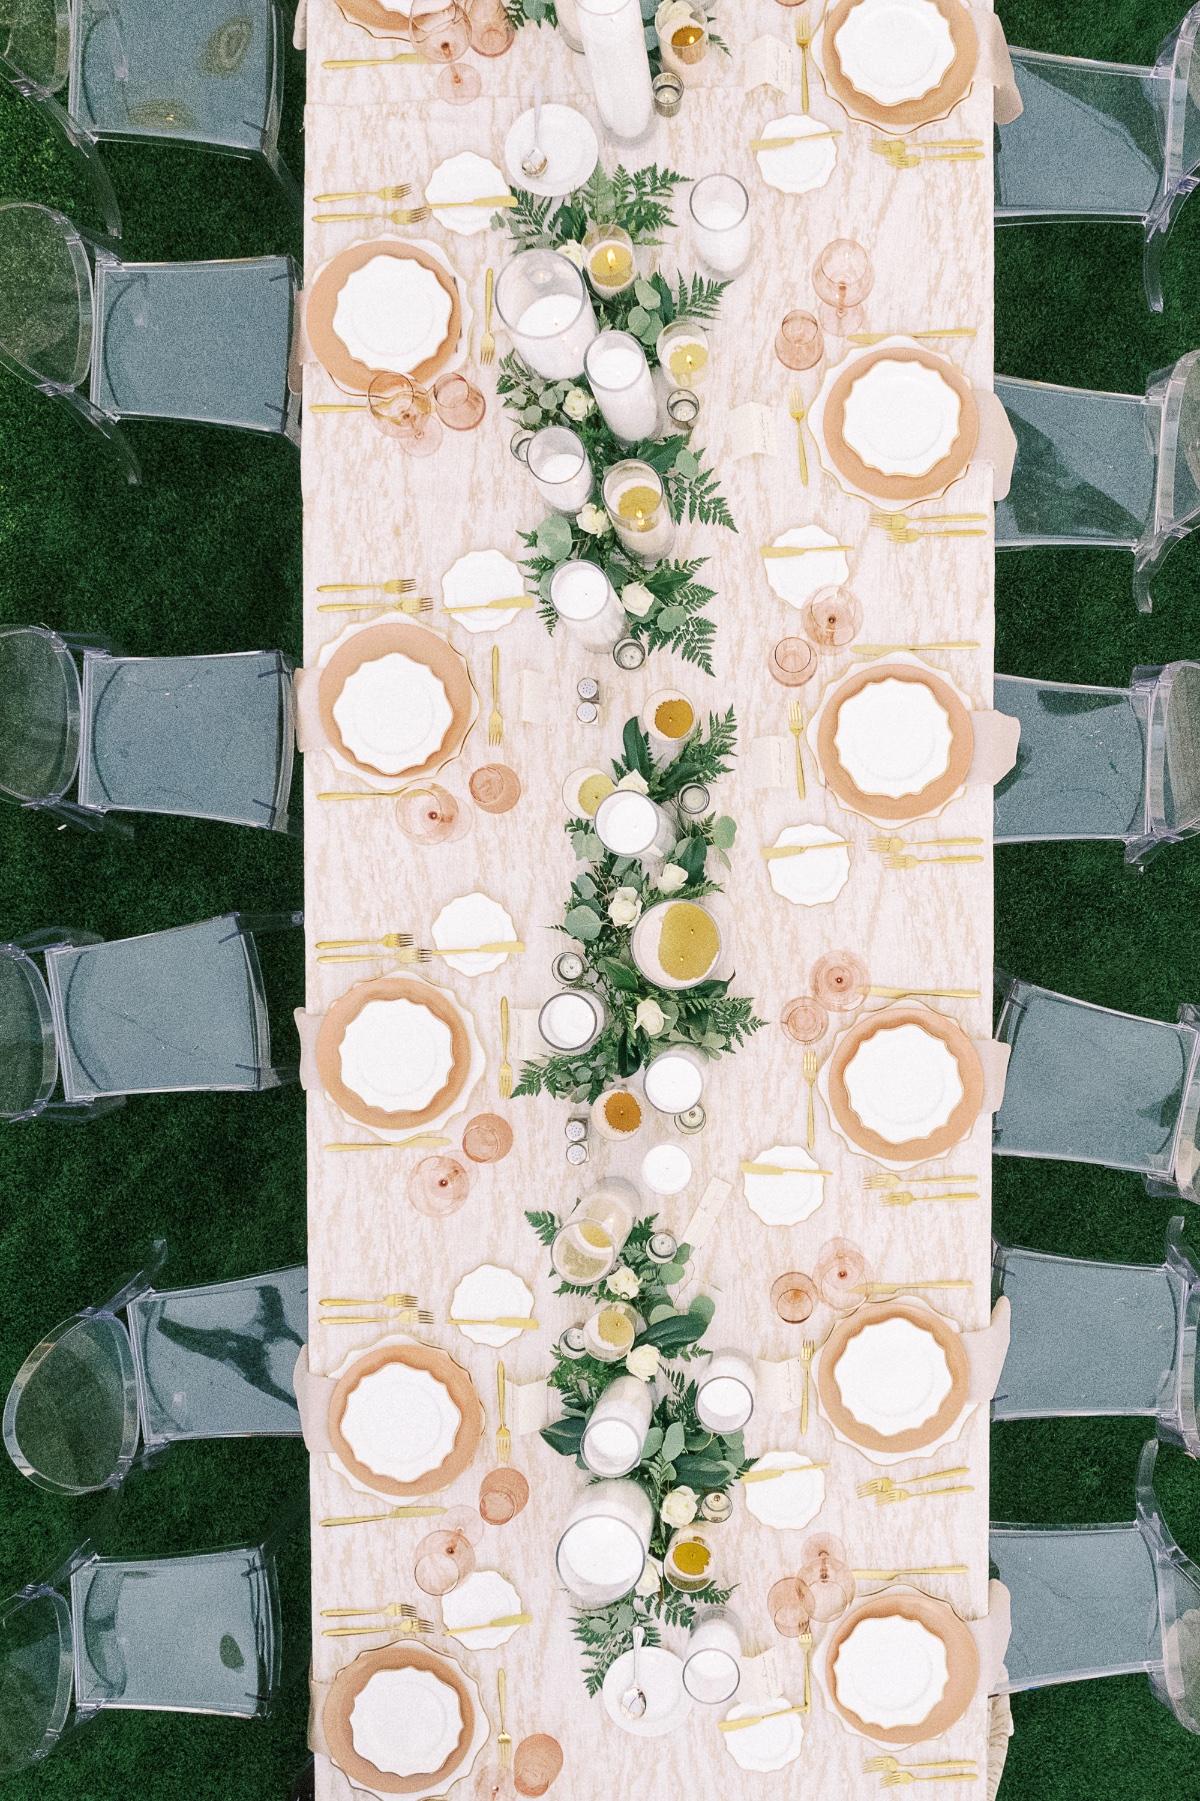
(370, 514)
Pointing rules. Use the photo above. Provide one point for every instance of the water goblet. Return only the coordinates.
(842, 277)
(459, 405)
(444, 36)
(840, 981)
(841, 1275)
(799, 343)
(804, 1020)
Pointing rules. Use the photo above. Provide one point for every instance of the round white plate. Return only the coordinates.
(903, 1083)
(893, 738)
(487, 1292)
(465, 177)
(392, 313)
(396, 1055)
(818, 876)
(482, 575)
(798, 168)
(393, 713)
(789, 1502)
(893, 1376)
(785, 1200)
(768, 1746)
(800, 579)
(400, 1422)
(894, 50)
(571, 148)
(474, 919)
(660, 1677)
(901, 418)
(484, 1595)
(406, 1722)
(891, 1671)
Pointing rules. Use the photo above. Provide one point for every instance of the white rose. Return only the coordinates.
(637, 599)
(649, 1018)
(672, 879)
(642, 1362)
(573, 252)
(634, 783)
(623, 1282)
(625, 907)
(679, 1507)
(577, 404)
(650, 1580)
(592, 519)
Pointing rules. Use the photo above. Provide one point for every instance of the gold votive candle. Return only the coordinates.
(636, 504)
(608, 256)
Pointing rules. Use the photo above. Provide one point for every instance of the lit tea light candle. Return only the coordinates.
(682, 37)
(725, 1393)
(683, 352)
(620, 378)
(608, 252)
(583, 596)
(636, 504)
(688, 1563)
(609, 1334)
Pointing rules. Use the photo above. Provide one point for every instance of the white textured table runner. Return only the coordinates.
(371, 514)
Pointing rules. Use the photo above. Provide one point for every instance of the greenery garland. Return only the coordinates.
(665, 605)
(681, 1458)
(606, 899)
(543, 12)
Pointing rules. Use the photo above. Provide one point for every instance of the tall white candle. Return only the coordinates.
(667, 1169)
(572, 1020)
(615, 1433)
(614, 43)
(712, 1667)
(725, 1393)
(674, 1081)
(582, 594)
(559, 465)
(720, 211)
(616, 368)
(631, 825)
(603, 1548)
(543, 301)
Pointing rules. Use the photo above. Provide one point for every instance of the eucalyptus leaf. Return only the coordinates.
(670, 618)
(704, 1306)
(532, 416)
(624, 1619)
(687, 465)
(724, 831)
(673, 1441)
(638, 319)
(648, 294)
(553, 537)
(670, 1273)
(582, 923)
(702, 1471)
(664, 1310)
(585, 887)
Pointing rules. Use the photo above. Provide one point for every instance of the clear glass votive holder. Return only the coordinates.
(544, 305)
(616, 1431)
(719, 207)
(637, 505)
(726, 1391)
(587, 1245)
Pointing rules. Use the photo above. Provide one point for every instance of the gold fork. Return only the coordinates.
(407, 1512)
(903, 844)
(889, 1179)
(805, 33)
(878, 1484)
(883, 519)
(495, 729)
(810, 1069)
(366, 194)
(503, 1435)
(398, 1316)
(903, 1197)
(398, 1628)
(413, 215)
(404, 1608)
(805, 1642)
(796, 409)
(412, 604)
(919, 862)
(372, 62)
(504, 1736)
(863, 338)
(886, 1288)
(918, 1569)
(410, 953)
(879, 1766)
(953, 994)
(423, 1141)
(505, 1077)
(393, 941)
(808, 1350)
(487, 343)
(371, 1300)
(906, 535)
(898, 1778)
(401, 584)
(796, 727)
(921, 1494)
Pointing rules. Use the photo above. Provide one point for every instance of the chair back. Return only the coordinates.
(36, 1676)
(40, 707)
(28, 1042)
(35, 46)
(71, 1418)
(45, 297)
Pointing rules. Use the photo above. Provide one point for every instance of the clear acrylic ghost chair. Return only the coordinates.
(191, 1634)
(207, 342)
(1086, 1084)
(169, 1012)
(1106, 141)
(1092, 1601)
(151, 70)
(1118, 763)
(1109, 470)
(203, 737)
(185, 1363)
(1101, 1338)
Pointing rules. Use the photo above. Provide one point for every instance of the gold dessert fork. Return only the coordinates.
(495, 729)
(797, 409)
(503, 1435)
(505, 1077)
(805, 1642)
(796, 727)
(808, 1351)
(504, 1736)
(366, 194)
(810, 1069)
(393, 941)
(487, 344)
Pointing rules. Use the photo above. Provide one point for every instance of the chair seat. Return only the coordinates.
(194, 1634)
(200, 72)
(1087, 143)
(1084, 471)
(203, 341)
(169, 1011)
(207, 737)
(1081, 763)
(1084, 1603)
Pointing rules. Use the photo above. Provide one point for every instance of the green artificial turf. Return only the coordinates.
(206, 556)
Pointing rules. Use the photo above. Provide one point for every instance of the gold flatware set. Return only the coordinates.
(909, 153)
(401, 590)
(416, 215)
(885, 1491)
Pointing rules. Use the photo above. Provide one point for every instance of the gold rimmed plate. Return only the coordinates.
(915, 1438)
(420, 645)
(962, 1663)
(460, 1389)
(931, 1144)
(925, 109)
(936, 793)
(335, 356)
(861, 477)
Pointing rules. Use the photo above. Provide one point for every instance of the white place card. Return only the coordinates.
(767, 64)
(753, 431)
(527, 1406)
(778, 1386)
(772, 762)
(707, 1212)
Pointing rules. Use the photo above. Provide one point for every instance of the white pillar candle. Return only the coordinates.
(572, 1020)
(674, 1081)
(614, 43)
(631, 825)
(616, 368)
(712, 1665)
(582, 594)
(559, 465)
(603, 1548)
(543, 302)
(725, 1392)
(615, 1433)
(720, 212)
(636, 504)
(667, 1169)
